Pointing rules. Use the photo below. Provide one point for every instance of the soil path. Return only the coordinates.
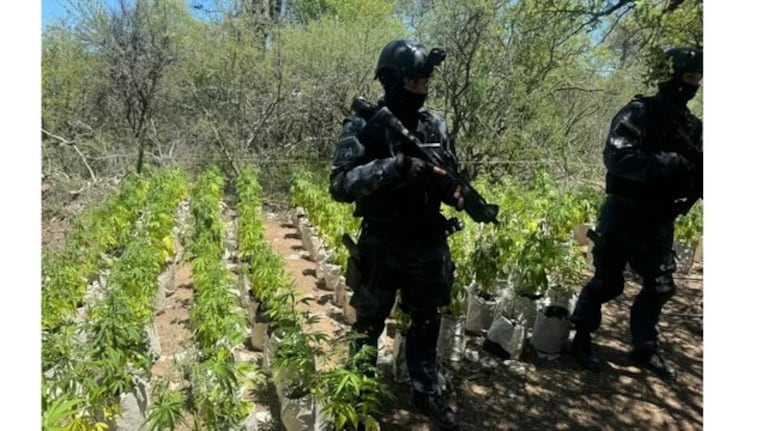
(285, 240)
(172, 321)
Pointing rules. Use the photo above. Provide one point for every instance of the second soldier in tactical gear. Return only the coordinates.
(403, 240)
(654, 161)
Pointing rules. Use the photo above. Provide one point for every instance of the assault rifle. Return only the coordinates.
(681, 143)
(384, 124)
(684, 146)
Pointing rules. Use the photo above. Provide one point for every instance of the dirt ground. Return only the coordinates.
(172, 321)
(285, 240)
(174, 332)
(62, 201)
(539, 394)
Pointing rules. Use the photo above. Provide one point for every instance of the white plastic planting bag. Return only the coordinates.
(552, 328)
(479, 313)
(509, 334)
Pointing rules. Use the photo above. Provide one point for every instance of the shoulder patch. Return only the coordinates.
(353, 123)
(628, 121)
(437, 121)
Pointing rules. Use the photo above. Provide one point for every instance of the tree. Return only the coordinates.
(525, 83)
(135, 47)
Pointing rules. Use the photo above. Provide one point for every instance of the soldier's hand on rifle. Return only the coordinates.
(412, 168)
(458, 196)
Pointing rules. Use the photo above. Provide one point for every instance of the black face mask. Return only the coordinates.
(678, 90)
(403, 103)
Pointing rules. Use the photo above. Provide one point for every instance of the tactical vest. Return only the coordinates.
(414, 204)
(658, 132)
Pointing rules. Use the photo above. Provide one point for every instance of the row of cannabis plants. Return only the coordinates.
(322, 224)
(339, 397)
(217, 322)
(91, 245)
(539, 245)
(89, 363)
(332, 219)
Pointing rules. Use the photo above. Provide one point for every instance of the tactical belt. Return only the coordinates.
(435, 230)
(635, 189)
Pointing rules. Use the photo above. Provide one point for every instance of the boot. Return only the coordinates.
(581, 350)
(651, 359)
(441, 415)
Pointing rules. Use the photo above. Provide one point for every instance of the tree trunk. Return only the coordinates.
(140, 163)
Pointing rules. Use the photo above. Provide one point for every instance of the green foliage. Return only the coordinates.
(91, 362)
(250, 227)
(350, 394)
(529, 82)
(215, 386)
(331, 218)
(527, 86)
(57, 412)
(215, 315)
(166, 411)
(216, 319)
(270, 284)
(531, 247)
(689, 227)
(68, 67)
(295, 356)
(98, 231)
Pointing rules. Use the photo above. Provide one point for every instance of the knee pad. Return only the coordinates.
(605, 289)
(664, 287)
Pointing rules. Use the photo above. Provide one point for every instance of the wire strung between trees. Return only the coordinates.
(260, 160)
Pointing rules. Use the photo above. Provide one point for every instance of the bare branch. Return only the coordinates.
(77, 150)
(594, 16)
(576, 88)
(58, 138)
(220, 142)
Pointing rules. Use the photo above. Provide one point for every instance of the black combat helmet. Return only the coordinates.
(673, 63)
(685, 60)
(408, 59)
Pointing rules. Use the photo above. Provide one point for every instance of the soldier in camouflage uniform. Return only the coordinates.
(402, 244)
(654, 161)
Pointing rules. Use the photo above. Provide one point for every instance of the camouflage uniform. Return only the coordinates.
(403, 242)
(653, 156)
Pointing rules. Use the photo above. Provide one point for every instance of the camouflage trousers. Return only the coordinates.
(422, 272)
(648, 248)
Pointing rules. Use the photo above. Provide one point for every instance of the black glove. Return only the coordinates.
(411, 168)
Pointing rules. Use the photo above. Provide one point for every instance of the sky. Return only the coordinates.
(53, 10)
(735, 233)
